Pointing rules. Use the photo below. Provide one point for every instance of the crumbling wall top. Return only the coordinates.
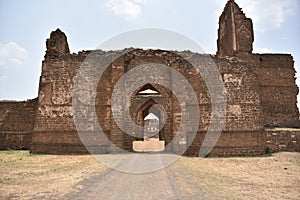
(57, 45)
(235, 34)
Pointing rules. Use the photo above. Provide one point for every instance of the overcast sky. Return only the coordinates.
(25, 26)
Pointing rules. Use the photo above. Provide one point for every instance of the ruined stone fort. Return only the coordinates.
(260, 89)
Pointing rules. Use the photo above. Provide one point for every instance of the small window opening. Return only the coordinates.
(148, 89)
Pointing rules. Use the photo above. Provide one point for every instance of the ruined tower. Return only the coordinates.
(57, 44)
(235, 34)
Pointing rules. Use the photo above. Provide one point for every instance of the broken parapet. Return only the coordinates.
(235, 32)
(57, 45)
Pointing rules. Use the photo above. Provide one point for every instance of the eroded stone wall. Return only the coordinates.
(278, 91)
(235, 34)
(283, 140)
(55, 127)
(16, 123)
(260, 92)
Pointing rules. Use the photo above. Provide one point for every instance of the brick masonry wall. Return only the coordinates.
(235, 34)
(260, 90)
(248, 86)
(246, 143)
(275, 73)
(16, 123)
(15, 140)
(283, 140)
(54, 126)
(278, 90)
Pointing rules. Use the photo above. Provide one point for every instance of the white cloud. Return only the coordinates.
(267, 14)
(12, 54)
(2, 77)
(141, 1)
(262, 50)
(127, 9)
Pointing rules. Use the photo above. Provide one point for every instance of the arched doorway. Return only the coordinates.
(151, 126)
(150, 116)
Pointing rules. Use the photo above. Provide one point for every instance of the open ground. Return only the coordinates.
(25, 176)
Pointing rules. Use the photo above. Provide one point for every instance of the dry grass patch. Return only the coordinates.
(25, 176)
(274, 177)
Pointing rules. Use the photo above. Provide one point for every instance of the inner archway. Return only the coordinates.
(151, 118)
(151, 126)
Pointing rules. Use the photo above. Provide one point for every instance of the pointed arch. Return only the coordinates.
(144, 111)
(148, 89)
(151, 116)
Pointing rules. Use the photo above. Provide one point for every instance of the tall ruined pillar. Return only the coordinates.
(235, 34)
(57, 44)
(54, 129)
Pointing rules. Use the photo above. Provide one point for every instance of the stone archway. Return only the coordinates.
(147, 108)
(151, 126)
(162, 103)
(151, 137)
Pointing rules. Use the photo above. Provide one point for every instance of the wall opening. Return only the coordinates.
(151, 126)
(150, 136)
(148, 89)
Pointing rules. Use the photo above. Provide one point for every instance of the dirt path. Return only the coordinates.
(119, 185)
(116, 185)
(274, 177)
